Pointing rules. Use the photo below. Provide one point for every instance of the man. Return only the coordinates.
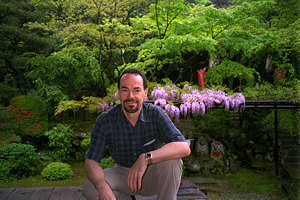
(143, 141)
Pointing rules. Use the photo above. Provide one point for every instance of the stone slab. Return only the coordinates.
(67, 193)
(4, 193)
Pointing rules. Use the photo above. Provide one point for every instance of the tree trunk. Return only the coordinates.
(211, 61)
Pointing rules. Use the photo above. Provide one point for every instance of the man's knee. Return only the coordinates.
(172, 165)
(170, 168)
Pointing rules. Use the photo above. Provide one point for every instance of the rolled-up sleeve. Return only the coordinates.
(167, 129)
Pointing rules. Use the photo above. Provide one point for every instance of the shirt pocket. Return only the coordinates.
(150, 145)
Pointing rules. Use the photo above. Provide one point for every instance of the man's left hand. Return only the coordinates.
(136, 173)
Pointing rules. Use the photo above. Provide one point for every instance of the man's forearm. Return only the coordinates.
(94, 172)
(170, 151)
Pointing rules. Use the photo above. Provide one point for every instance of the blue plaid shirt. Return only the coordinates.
(126, 142)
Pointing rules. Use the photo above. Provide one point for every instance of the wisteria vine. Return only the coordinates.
(188, 101)
(193, 101)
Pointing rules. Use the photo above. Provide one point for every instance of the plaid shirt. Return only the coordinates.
(126, 142)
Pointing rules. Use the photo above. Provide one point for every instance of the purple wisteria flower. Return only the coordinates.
(237, 100)
(173, 112)
(103, 106)
(160, 102)
(169, 93)
(116, 96)
(185, 108)
(194, 101)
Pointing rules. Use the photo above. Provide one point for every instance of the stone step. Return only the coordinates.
(187, 190)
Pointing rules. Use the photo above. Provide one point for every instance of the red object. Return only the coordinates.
(201, 78)
(216, 153)
(279, 74)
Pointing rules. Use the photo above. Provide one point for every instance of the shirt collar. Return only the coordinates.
(143, 117)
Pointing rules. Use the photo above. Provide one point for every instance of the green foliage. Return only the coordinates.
(216, 123)
(92, 104)
(231, 70)
(6, 94)
(29, 113)
(107, 162)
(64, 106)
(285, 25)
(85, 143)
(17, 161)
(64, 74)
(287, 119)
(6, 140)
(267, 91)
(59, 141)
(18, 42)
(7, 128)
(57, 171)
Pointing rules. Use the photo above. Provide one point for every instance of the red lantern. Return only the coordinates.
(201, 78)
(279, 75)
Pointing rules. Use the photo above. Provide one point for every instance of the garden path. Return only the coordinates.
(187, 190)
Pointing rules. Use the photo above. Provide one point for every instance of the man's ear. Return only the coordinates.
(146, 92)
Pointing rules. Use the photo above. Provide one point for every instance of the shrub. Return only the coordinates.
(30, 115)
(231, 70)
(107, 162)
(57, 171)
(6, 140)
(7, 129)
(17, 161)
(60, 141)
(85, 143)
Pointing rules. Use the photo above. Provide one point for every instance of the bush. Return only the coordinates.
(60, 141)
(7, 129)
(17, 161)
(227, 71)
(85, 143)
(107, 162)
(6, 140)
(29, 113)
(57, 171)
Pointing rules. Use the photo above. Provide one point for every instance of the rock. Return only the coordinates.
(268, 157)
(241, 142)
(249, 154)
(233, 165)
(193, 166)
(259, 148)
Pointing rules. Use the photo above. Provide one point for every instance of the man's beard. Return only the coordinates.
(129, 109)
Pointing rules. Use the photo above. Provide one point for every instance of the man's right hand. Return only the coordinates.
(104, 192)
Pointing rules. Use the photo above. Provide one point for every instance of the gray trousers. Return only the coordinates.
(161, 179)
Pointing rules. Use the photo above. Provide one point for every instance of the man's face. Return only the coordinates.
(131, 92)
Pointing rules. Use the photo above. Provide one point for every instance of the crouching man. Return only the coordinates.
(143, 141)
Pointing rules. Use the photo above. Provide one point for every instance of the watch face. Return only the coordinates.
(149, 155)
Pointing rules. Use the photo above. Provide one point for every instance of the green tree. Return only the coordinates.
(285, 25)
(67, 74)
(101, 26)
(18, 41)
(185, 31)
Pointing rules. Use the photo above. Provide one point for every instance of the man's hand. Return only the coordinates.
(136, 173)
(104, 192)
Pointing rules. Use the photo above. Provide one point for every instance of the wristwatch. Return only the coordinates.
(148, 156)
